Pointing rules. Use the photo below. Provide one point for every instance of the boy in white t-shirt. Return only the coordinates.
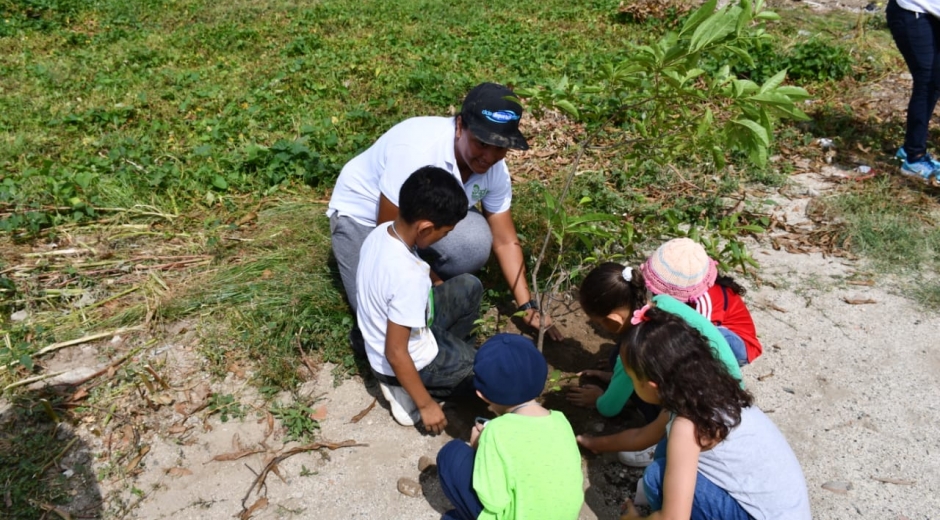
(416, 335)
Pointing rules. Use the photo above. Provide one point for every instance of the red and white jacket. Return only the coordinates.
(725, 308)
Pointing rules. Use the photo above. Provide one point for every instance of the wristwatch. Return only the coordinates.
(531, 304)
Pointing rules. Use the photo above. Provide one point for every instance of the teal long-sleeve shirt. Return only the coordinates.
(617, 394)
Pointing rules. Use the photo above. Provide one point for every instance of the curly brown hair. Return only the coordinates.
(692, 382)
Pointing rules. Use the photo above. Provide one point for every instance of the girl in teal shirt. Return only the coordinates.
(609, 295)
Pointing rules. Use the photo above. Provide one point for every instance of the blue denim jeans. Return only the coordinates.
(710, 502)
(917, 36)
(736, 344)
(456, 308)
(455, 471)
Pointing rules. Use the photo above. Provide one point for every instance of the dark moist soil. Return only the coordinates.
(585, 346)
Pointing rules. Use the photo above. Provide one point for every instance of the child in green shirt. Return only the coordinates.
(525, 463)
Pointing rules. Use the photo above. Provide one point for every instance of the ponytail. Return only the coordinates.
(612, 286)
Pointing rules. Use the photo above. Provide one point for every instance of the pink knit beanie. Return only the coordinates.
(680, 268)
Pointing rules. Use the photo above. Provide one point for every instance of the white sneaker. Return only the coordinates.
(404, 409)
(637, 459)
(639, 499)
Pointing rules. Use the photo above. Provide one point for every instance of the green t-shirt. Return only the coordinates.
(528, 468)
(617, 394)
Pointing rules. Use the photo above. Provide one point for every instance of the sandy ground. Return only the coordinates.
(852, 386)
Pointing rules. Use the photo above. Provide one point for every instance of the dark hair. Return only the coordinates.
(691, 380)
(727, 281)
(431, 193)
(605, 289)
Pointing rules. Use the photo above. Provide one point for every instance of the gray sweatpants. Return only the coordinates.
(464, 250)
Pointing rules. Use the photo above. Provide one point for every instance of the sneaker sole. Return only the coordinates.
(399, 413)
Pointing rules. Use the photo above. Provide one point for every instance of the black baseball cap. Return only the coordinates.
(492, 113)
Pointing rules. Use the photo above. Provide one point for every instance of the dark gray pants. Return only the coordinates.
(456, 310)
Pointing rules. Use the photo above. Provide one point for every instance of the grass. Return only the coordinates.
(895, 228)
(272, 298)
(36, 449)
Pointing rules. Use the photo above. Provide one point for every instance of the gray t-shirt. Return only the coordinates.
(756, 466)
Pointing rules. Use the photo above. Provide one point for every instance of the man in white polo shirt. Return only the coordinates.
(472, 147)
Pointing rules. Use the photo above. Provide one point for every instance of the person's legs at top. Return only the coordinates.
(710, 502)
(736, 344)
(464, 250)
(916, 38)
(455, 471)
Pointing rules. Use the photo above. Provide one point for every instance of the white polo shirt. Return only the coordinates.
(392, 284)
(921, 6)
(407, 146)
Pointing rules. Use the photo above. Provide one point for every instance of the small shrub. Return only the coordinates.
(817, 60)
(807, 62)
(297, 420)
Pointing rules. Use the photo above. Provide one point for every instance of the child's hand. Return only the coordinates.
(475, 435)
(536, 319)
(629, 511)
(432, 416)
(585, 396)
(603, 375)
(587, 442)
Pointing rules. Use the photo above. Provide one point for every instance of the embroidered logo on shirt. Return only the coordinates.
(478, 193)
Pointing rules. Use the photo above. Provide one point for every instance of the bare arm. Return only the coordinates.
(682, 455)
(508, 253)
(387, 210)
(396, 351)
(634, 439)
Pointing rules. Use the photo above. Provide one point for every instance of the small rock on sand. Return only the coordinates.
(408, 487)
(425, 462)
(838, 486)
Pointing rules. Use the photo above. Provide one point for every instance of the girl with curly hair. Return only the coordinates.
(609, 295)
(722, 456)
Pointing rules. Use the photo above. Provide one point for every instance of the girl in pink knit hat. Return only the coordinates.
(682, 269)
(612, 295)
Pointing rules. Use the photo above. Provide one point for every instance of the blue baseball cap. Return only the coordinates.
(509, 370)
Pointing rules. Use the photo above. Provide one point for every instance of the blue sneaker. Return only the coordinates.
(902, 156)
(923, 169)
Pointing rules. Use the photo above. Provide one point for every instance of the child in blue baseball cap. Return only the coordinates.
(524, 463)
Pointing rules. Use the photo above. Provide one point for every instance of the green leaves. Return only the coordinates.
(715, 28)
(670, 97)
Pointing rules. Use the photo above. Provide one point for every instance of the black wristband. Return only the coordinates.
(531, 304)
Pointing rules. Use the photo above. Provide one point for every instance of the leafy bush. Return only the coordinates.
(668, 108)
(817, 60)
(811, 61)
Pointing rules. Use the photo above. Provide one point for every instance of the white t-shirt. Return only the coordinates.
(407, 146)
(921, 6)
(393, 284)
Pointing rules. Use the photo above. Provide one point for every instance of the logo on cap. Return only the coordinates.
(501, 116)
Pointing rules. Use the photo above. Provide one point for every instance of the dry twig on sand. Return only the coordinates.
(258, 483)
